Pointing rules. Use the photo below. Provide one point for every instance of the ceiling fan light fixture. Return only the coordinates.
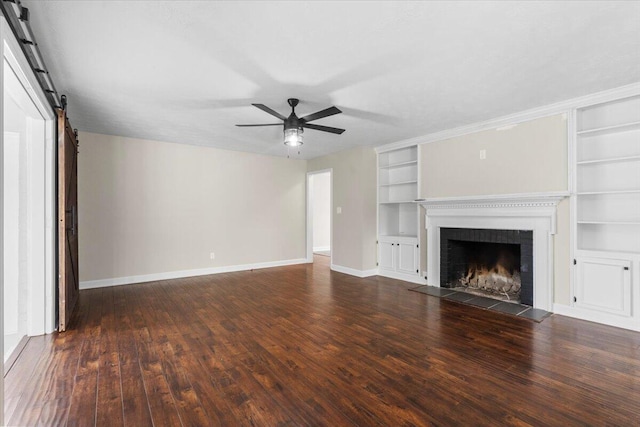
(293, 137)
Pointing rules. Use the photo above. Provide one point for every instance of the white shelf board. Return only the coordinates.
(399, 183)
(393, 236)
(399, 164)
(610, 129)
(595, 193)
(611, 222)
(396, 202)
(611, 160)
(594, 248)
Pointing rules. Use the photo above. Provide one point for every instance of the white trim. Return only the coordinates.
(321, 248)
(413, 278)
(517, 199)
(353, 272)
(3, 31)
(36, 222)
(572, 148)
(523, 116)
(597, 316)
(129, 280)
(51, 204)
(18, 63)
(525, 211)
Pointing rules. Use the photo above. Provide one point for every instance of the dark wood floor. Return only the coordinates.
(301, 346)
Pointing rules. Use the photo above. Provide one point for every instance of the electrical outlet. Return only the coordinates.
(483, 154)
(212, 255)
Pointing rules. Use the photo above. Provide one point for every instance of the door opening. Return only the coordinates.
(27, 200)
(319, 210)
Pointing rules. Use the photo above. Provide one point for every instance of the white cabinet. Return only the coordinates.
(386, 257)
(398, 220)
(607, 209)
(398, 256)
(604, 285)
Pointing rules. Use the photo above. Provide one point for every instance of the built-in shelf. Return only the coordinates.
(399, 183)
(611, 160)
(395, 236)
(400, 164)
(398, 215)
(396, 202)
(611, 222)
(610, 129)
(594, 193)
(606, 222)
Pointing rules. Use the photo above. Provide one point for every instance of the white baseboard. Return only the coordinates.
(353, 271)
(117, 281)
(597, 317)
(321, 248)
(413, 278)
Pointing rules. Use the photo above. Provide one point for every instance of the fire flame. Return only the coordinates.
(496, 278)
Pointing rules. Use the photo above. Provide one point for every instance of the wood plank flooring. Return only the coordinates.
(303, 346)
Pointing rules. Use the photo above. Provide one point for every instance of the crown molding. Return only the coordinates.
(562, 107)
(495, 200)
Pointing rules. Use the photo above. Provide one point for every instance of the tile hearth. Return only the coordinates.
(519, 310)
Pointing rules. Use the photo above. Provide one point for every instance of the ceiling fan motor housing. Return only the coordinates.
(292, 121)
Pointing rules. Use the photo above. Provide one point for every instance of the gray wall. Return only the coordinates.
(148, 207)
(354, 190)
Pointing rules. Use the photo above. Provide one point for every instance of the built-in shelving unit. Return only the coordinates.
(608, 176)
(607, 206)
(397, 190)
(398, 252)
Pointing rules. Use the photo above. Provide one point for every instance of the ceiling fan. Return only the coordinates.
(294, 126)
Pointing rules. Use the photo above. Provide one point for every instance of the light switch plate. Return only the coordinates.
(338, 210)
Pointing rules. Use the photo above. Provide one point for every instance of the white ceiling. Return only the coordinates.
(187, 72)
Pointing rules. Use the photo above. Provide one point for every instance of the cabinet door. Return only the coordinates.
(406, 258)
(387, 251)
(604, 285)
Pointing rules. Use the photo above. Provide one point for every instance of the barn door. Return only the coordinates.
(68, 283)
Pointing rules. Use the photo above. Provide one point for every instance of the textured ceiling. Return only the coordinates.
(186, 72)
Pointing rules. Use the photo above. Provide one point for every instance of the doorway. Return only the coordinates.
(27, 202)
(319, 208)
(27, 156)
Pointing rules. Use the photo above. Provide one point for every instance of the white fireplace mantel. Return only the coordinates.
(530, 211)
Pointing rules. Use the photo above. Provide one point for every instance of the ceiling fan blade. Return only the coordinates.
(267, 124)
(320, 114)
(323, 128)
(270, 111)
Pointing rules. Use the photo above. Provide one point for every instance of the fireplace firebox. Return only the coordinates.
(493, 263)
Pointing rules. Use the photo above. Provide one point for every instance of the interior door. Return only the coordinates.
(68, 281)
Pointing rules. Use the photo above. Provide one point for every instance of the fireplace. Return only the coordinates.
(492, 263)
(514, 214)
